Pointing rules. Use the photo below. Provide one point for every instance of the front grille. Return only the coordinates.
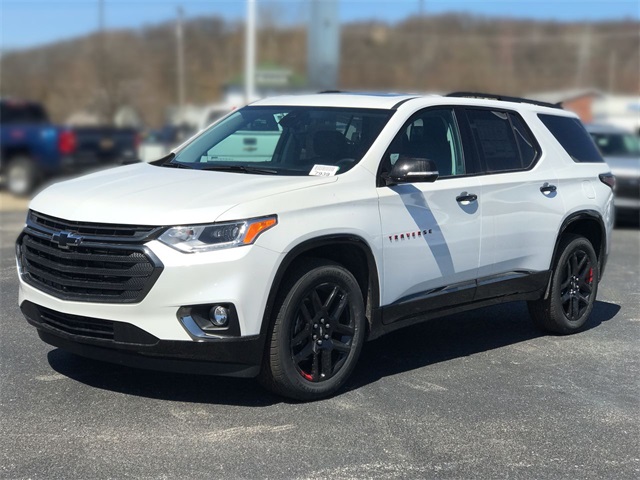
(86, 329)
(77, 325)
(95, 230)
(94, 269)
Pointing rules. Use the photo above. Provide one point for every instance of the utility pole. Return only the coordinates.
(180, 64)
(584, 57)
(103, 92)
(250, 53)
(421, 70)
(613, 60)
(506, 58)
(101, 32)
(323, 45)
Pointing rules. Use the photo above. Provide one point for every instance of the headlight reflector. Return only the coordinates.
(204, 238)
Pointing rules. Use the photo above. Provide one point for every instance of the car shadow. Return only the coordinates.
(455, 336)
(169, 386)
(414, 347)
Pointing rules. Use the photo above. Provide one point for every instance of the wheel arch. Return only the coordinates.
(589, 224)
(10, 153)
(351, 251)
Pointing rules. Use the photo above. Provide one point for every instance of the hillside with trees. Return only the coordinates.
(99, 73)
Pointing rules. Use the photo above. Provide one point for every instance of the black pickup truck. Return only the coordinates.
(33, 149)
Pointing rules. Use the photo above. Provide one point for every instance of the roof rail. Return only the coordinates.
(332, 91)
(503, 98)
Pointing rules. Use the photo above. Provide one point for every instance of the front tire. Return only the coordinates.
(318, 332)
(574, 285)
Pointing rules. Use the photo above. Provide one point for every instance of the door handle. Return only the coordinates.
(465, 197)
(547, 188)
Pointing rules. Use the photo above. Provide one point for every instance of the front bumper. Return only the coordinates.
(238, 276)
(126, 344)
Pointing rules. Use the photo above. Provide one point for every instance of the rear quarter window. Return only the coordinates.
(573, 137)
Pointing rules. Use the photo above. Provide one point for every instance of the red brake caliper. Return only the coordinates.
(306, 376)
(590, 279)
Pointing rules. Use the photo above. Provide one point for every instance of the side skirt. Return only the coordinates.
(514, 286)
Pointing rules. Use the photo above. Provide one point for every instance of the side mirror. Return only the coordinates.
(412, 170)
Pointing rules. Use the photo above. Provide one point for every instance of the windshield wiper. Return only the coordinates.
(241, 169)
(176, 165)
(168, 162)
(165, 161)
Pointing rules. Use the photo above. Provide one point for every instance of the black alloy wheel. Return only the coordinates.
(322, 333)
(574, 285)
(317, 333)
(577, 285)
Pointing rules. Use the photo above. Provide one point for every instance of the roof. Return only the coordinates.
(385, 101)
(389, 101)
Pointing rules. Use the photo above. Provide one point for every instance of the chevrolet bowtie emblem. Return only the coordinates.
(65, 240)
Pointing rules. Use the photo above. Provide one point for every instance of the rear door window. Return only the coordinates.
(502, 140)
(528, 147)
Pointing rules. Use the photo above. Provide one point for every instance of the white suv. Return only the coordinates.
(278, 259)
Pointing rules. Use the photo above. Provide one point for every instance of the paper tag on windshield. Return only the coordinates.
(324, 170)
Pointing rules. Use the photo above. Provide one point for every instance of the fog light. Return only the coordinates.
(219, 316)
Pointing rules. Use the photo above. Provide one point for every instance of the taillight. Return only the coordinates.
(67, 142)
(608, 179)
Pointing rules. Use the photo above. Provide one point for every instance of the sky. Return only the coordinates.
(29, 23)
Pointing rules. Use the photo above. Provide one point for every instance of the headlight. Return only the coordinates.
(204, 238)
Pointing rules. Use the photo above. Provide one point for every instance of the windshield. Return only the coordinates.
(286, 140)
(617, 144)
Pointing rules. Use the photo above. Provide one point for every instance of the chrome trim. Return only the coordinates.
(195, 331)
(502, 277)
(456, 287)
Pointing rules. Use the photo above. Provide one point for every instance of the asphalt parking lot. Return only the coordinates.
(477, 395)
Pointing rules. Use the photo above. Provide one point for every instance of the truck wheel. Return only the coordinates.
(574, 284)
(22, 176)
(318, 332)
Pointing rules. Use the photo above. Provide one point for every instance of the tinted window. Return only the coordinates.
(573, 137)
(526, 143)
(287, 140)
(18, 112)
(431, 134)
(495, 140)
(617, 144)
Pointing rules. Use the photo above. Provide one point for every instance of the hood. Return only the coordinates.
(144, 194)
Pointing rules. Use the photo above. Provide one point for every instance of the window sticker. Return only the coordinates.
(324, 170)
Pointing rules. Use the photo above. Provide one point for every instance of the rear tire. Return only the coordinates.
(317, 334)
(574, 285)
(22, 176)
